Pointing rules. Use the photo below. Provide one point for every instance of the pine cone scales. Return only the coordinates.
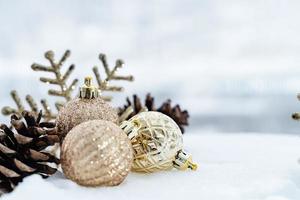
(179, 116)
(21, 152)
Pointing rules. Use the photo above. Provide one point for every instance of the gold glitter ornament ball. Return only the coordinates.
(96, 153)
(89, 106)
(157, 143)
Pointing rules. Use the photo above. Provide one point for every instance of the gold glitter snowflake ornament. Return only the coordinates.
(62, 87)
(157, 143)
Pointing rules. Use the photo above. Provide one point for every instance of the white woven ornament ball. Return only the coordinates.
(156, 141)
(96, 153)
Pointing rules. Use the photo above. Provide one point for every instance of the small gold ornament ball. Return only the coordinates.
(156, 140)
(80, 110)
(88, 106)
(96, 153)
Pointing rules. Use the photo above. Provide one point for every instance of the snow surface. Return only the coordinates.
(231, 166)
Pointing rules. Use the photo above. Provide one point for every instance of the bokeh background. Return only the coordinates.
(233, 64)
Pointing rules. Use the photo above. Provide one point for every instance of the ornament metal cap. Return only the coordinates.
(88, 91)
(183, 161)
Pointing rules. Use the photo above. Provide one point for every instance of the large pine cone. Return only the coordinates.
(179, 116)
(22, 152)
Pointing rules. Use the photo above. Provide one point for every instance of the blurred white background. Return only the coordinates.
(233, 64)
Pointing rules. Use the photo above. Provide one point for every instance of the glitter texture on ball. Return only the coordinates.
(81, 110)
(96, 153)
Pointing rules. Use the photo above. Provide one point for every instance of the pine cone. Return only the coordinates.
(22, 152)
(179, 116)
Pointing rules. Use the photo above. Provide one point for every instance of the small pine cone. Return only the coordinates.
(22, 150)
(179, 116)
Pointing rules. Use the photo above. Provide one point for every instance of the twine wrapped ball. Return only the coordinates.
(96, 153)
(80, 110)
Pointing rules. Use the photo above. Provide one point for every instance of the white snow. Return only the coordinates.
(244, 166)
